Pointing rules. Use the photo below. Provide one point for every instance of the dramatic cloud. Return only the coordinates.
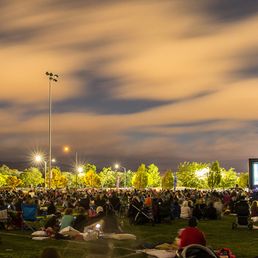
(140, 81)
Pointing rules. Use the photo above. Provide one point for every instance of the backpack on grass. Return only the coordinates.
(225, 253)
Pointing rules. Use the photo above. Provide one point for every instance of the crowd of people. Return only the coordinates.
(79, 208)
(160, 205)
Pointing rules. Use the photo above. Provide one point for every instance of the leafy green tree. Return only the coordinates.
(5, 170)
(3, 179)
(214, 175)
(125, 178)
(167, 181)
(228, 178)
(153, 176)
(58, 180)
(31, 177)
(13, 181)
(87, 167)
(107, 177)
(187, 174)
(243, 179)
(71, 179)
(92, 179)
(140, 179)
(80, 180)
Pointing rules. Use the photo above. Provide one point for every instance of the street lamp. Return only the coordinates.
(66, 149)
(79, 170)
(39, 159)
(117, 166)
(51, 77)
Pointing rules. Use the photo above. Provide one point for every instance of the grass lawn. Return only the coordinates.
(243, 242)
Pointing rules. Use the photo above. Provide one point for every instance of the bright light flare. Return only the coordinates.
(80, 169)
(98, 226)
(66, 148)
(38, 158)
(117, 166)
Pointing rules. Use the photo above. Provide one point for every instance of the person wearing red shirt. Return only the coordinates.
(191, 235)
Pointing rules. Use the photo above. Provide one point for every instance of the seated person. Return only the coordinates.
(185, 211)
(51, 209)
(191, 235)
(218, 205)
(52, 222)
(176, 210)
(148, 201)
(210, 212)
(67, 219)
(197, 212)
(242, 207)
(81, 220)
(254, 211)
(115, 202)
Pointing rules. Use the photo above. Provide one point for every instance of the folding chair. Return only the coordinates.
(29, 216)
(196, 251)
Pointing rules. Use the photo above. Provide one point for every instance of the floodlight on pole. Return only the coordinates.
(79, 170)
(51, 77)
(39, 159)
(117, 166)
(67, 149)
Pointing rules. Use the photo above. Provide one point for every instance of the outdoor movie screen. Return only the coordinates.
(253, 173)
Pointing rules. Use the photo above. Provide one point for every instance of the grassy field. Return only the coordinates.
(243, 242)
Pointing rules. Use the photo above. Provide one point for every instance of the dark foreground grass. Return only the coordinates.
(243, 242)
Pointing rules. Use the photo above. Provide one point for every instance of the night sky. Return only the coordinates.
(140, 81)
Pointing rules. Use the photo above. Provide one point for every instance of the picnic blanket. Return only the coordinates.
(40, 238)
(159, 253)
(120, 236)
(69, 231)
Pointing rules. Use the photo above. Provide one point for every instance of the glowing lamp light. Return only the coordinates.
(38, 158)
(66, 149)
(80, 169)
(98, 226)
(116, 166)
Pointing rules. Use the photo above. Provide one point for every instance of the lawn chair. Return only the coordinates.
(29, 216)
(196, 251)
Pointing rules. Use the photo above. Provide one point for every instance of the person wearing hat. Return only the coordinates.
(191, 235)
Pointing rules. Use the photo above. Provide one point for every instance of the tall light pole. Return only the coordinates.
(51, 77)
(67, 149)
(78, 168)
(117, 166)
(38, 159)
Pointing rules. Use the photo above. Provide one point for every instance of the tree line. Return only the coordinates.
(188, 174)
